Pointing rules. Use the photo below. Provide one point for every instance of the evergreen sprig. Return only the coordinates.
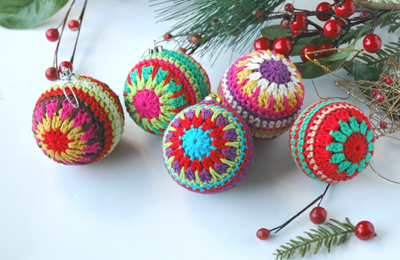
(335, 233)
(237, 22)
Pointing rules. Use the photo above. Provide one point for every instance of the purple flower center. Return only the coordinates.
(274, 71)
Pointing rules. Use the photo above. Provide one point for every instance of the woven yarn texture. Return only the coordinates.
(332, 141)
(81, 135)
(160, 86)
(208, 148)
(266, 89)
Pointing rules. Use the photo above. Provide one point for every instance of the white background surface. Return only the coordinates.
(127, 206)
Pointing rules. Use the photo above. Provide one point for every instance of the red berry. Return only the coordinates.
(299, 25)
(332, 28)
(318, 215)
(305, 50)
(380, 98)
(364, 14)
(326, 46)
(345, 10)
(285, 24)
(262, 44)
(260, 13)
(372, 43)
(66, 64)
(283, 46)
(52, 34)
(214, 23)
(194, 39)
(324, 7)
(341, 22)
(389, 81)
(74, 25)
(374, 93)
(183, 50)
(383, 125)
(51, 74)
(289, 7)
(364, 230)
(167, 36)
(263, 233)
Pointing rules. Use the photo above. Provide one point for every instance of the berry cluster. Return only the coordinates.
(364, 230)
(53, 35)
(338, 20)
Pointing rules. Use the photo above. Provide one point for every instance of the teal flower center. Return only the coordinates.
(197, 143)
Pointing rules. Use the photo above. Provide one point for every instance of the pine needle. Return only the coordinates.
(333, 234)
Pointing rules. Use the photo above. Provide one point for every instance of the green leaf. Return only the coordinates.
(274, 31)
(22, 14)
(365, 72)
(318, 246)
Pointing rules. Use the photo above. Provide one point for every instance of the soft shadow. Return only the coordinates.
(272, 161)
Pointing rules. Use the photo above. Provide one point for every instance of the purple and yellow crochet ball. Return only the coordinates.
(266, 89)
(208, 148)
(160, 86)
(78, 135)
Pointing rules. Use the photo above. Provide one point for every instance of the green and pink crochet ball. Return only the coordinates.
(208, 148)
(332, 141)
(160, 86)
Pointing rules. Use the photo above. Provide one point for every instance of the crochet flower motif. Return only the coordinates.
(207, 149)
(353, 146)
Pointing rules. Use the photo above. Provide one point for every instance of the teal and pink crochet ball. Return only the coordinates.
(266, 89)
(160, 86)
(332, 141)
(208, 148)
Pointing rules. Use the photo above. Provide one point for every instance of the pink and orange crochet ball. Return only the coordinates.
(78, 135)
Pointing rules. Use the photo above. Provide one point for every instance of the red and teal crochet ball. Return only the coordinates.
(208, 148)
(160, 86)
(266, 89)
(332, 141)
(78, 135)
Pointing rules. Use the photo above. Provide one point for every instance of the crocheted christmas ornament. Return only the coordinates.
(80, 135)
(266, 89)
(160, 86)
(332, 141)
(208, 148)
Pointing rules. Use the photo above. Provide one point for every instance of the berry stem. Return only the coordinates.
(77, 36)
(62, 24)
(319, 198)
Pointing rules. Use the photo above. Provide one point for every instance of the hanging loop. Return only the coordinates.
(66, 76)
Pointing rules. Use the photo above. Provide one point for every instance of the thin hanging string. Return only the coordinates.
(383, 177)
(316, 91)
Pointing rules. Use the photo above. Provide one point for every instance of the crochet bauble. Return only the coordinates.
(78, 134)
(160, 86)
(208, 148)
(266, 89)
(332, 141)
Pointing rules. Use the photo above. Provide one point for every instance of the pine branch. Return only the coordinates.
(237, 22)
(334, 234)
